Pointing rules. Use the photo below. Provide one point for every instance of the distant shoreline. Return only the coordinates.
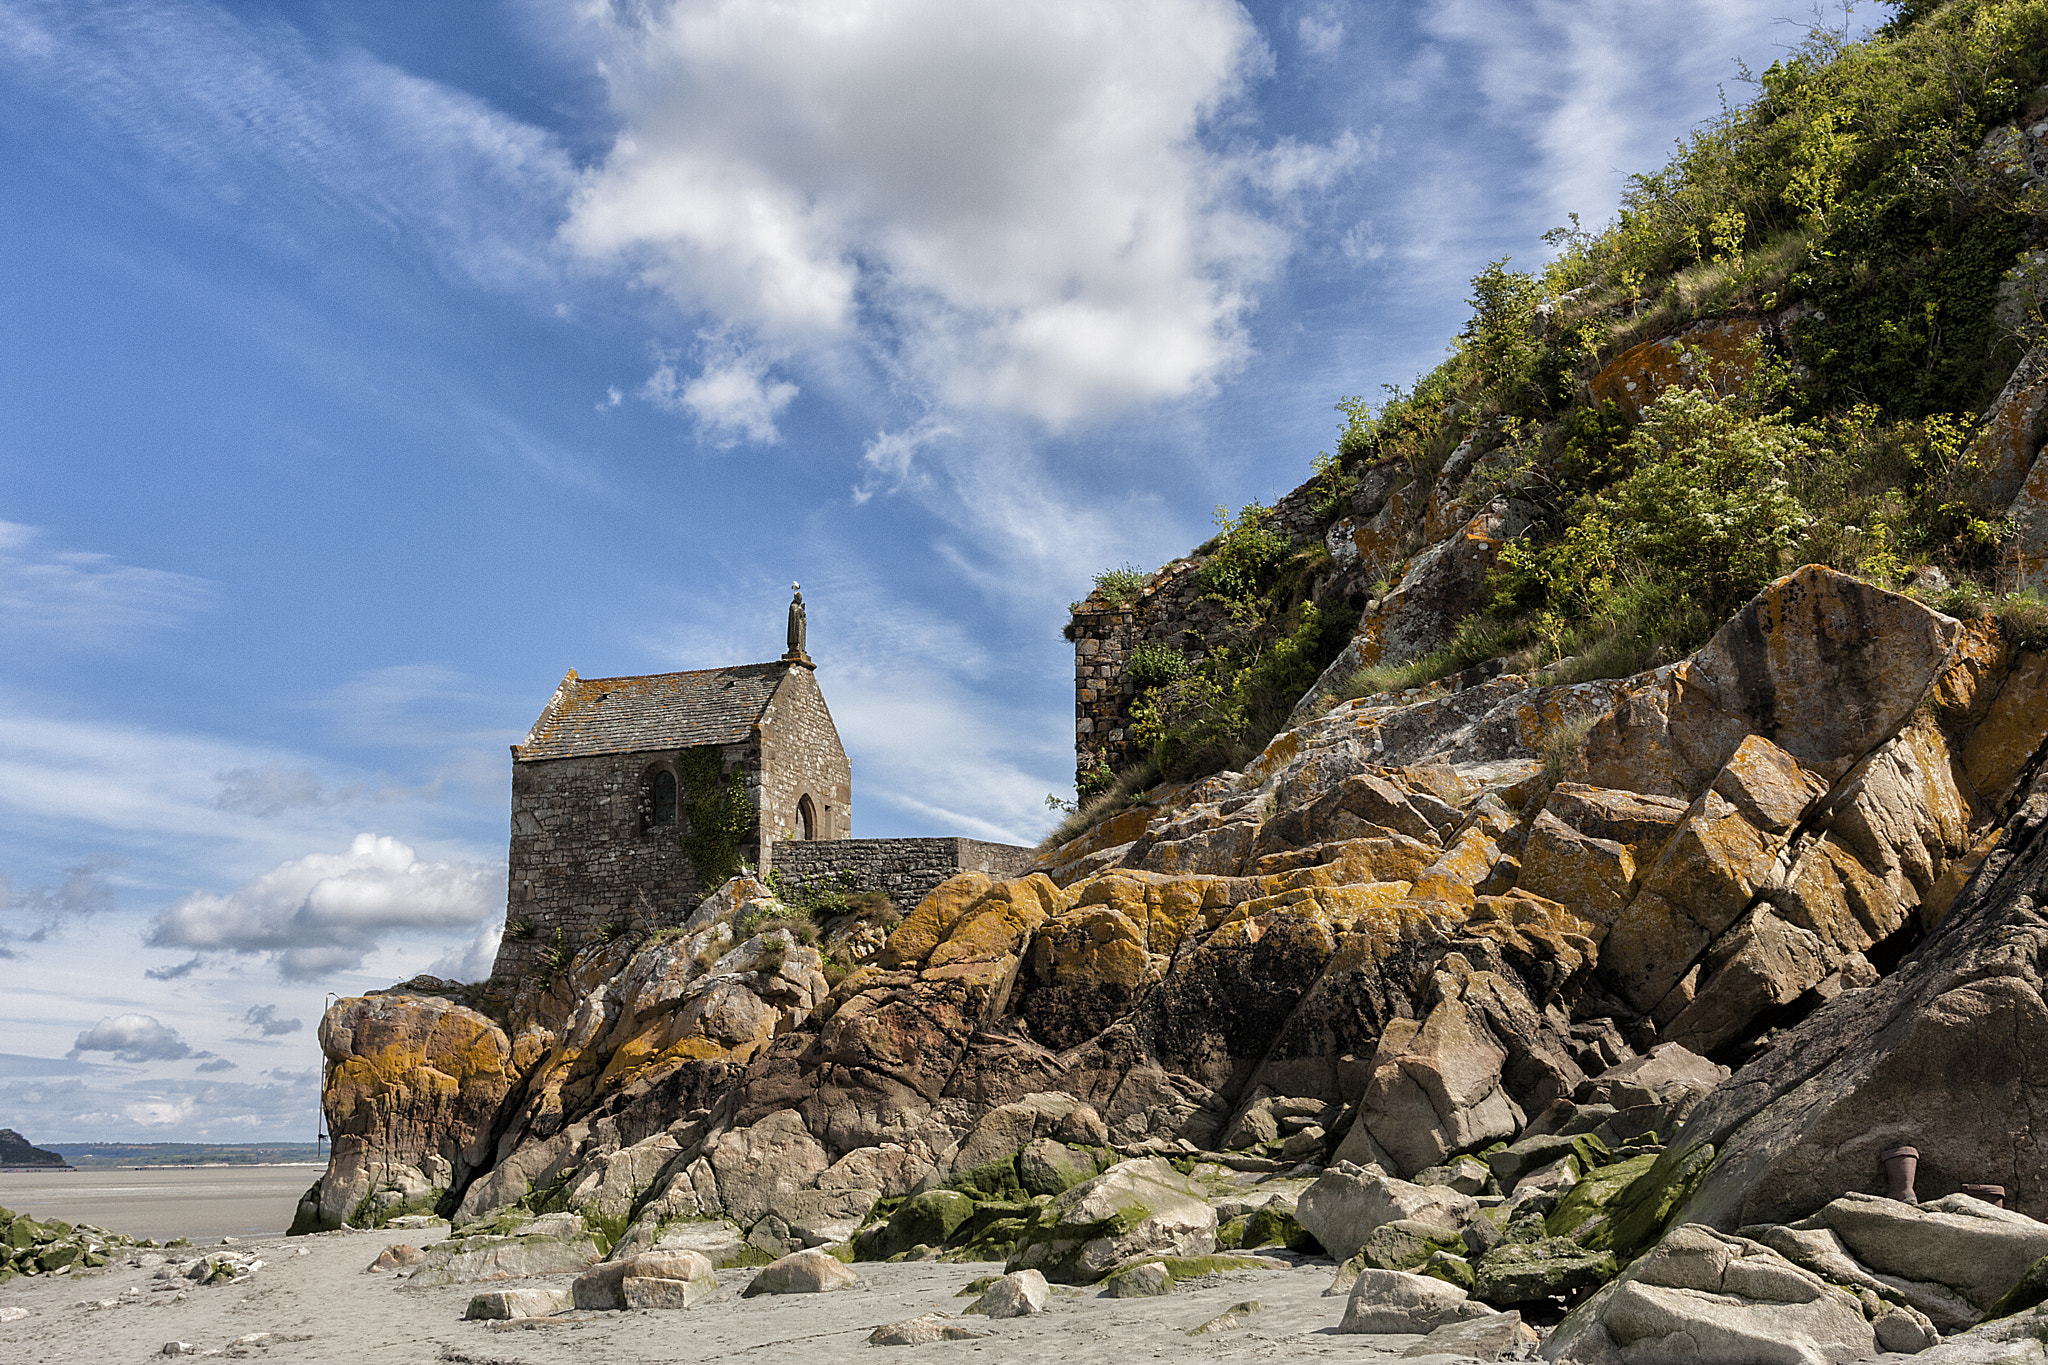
(156, 1166)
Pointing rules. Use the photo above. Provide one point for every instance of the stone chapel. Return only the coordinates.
(599, 808)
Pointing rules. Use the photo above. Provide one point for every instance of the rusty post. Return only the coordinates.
(1900, 1166)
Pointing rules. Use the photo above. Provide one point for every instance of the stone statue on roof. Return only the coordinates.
(796, 652)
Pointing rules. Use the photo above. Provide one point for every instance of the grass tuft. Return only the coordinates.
(1103, 804)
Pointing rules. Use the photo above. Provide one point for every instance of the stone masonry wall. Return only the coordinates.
(907, 869)
(583, 857)
(1170, 611)
(801, 756)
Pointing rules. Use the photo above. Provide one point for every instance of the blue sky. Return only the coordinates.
(367, 365)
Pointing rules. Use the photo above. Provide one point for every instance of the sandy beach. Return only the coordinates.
(314, 1295)
(162, 1202)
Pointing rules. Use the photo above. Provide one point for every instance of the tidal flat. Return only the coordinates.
(162, 1202)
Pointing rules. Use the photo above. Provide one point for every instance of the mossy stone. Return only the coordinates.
(1596, 1194)
(1637, 1216)
(1405, 1244)
(1271, 1225)
(2031, 1290)
(929, 1219)
(1451, 1269)
(1530, 1272)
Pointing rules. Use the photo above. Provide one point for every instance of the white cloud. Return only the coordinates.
(132, 1038)
(326, 912)
(1013, 206)
(1596, 89)
(1321, 30)
(732, 397)
(891, 457)
(76, 598)
(1289, 167)
(470, 961)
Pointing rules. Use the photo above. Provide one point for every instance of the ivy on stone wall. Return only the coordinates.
(719, 814)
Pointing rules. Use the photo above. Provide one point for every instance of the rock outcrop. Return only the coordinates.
(1507, 980)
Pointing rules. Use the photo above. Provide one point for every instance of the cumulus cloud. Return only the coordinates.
(263, 1018)
(471, 961)
(77, 598)
(132, 1038)
(176, 971)
(217, 1064)
(326, 912)
(1015, 206)
(732, 398)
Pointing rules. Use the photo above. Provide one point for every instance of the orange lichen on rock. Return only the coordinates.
(1634, 379)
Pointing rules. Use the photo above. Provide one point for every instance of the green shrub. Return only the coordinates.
(1246, 551)
(1561, 744)
(1121, 586)
(1153, 665)
(1333, 484)
(2023, 618)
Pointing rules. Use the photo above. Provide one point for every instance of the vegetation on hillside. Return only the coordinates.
(1859, 205)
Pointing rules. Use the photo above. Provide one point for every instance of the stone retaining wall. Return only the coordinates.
(907, 869)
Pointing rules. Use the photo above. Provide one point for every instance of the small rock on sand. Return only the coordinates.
(509, 1304)
(1395, 1301)
(1016, 1295)
(12, 1314)
(653, 1279)
(395, 1257)
(1139, 1282)
(803, 1272)
(922, 1331)
(1226, 1321)
(1501, 1336)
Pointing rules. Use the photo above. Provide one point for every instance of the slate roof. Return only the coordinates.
(651, 712)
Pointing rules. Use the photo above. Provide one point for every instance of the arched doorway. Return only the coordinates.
(807, 817)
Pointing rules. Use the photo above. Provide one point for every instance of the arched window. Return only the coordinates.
(807, 817)
(662, 809)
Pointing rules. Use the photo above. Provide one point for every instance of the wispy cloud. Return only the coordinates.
(241, 122)
(95, 1108)
(84, 599)
(37, 914)
(264, 1019)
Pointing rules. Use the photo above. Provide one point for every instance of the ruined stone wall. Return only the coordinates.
(1169, 611)
(585, 858)
(907, 869)
(801, 756)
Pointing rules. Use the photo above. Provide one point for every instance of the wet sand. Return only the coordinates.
(205, 1202)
